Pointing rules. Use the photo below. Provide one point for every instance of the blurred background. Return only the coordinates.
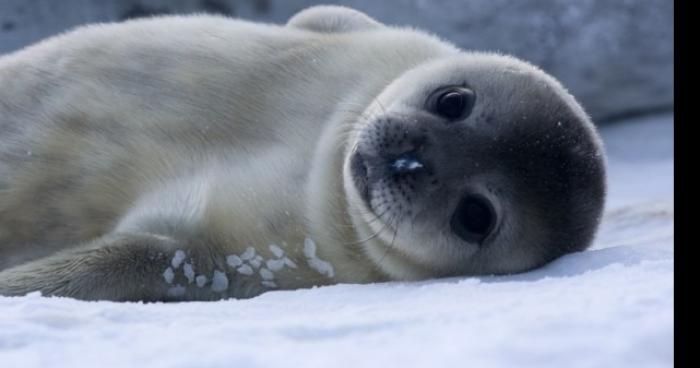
(616, 57)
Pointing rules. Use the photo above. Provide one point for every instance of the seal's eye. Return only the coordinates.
(474, 219)
(453, 103)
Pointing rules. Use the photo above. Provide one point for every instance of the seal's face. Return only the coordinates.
(474, 165)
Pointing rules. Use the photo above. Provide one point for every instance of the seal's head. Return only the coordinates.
(477, 164)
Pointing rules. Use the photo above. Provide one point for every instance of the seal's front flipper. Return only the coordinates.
(118, 267)
(332, 19)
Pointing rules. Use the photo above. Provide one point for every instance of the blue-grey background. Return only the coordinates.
(615, 56)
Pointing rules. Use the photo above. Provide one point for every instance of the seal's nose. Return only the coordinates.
(406, 164)
(474, 219)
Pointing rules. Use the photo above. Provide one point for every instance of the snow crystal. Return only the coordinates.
(245, 270)
(248, 254)
(177, 259)
(276, 250)
(189, 272)
(234, 261)
(266, 274)
(275, 264)
(201, 280)
(169, 275)
(219, 282)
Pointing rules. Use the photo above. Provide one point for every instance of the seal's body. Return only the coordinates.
(201, 157)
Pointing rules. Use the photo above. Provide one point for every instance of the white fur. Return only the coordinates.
(204, 127)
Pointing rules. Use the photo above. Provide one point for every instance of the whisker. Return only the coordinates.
(393, 239)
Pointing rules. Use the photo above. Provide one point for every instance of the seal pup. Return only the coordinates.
(202, 157)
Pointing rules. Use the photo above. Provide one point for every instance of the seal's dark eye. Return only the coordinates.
(474, 219)
(454, 103)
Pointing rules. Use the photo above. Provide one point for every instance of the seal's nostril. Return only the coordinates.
(406, 164)
(474, 219)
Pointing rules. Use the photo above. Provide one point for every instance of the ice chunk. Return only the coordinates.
(245, 270)
(314, 262)
(255, 262)
(248, 254)
(322, 267)
(275, 264)
(276, 250)
(309, 248)
(201, 280)
(169, 275)
(234, 260)
(189, 272)
(219, 282)
(177, 259)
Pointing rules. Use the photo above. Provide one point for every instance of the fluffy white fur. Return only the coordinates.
(203, 134)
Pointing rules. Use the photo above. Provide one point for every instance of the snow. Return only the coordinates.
(317, 264)
(610, 306)
(234, 260)
(219, 281)
(276, 250)
(177, 259)
(309, 248)
(248, 254)
(256, 262)
(245, 270)
(201, 280)
(188, 270)
(266, 274)
(275, 264)
(169, 275)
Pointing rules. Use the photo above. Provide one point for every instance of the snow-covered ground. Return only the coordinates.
(610, 306)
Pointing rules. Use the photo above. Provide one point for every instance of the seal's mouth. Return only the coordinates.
(360, 177)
